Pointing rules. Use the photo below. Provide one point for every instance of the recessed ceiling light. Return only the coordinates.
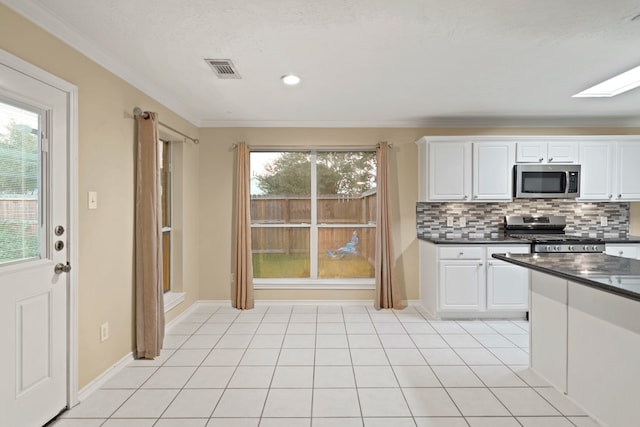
(290, 79)
(614, 86)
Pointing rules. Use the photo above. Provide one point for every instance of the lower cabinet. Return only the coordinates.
(465, 281)
(507, 284)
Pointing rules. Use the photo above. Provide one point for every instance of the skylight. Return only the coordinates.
(614, 86)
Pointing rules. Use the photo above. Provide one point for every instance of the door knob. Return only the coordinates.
(62, 268)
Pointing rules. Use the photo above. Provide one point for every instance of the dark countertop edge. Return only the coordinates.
(628, 239)
(578, 279)
(509, 240)
(474, 241)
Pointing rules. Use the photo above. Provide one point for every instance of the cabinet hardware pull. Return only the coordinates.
(550, 159)
(540, 159)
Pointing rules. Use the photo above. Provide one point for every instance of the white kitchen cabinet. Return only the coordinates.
(461, 285)
(449, 171)
(461, 281)
(547, 151)
(507, 284)
(628, 171)
(597, 173)
(610, 170)
(464, 281)
(461, 171)
(624, 250)
(492, 166)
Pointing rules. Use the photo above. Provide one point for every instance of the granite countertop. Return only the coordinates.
(617, 275)
(472, 239)
(499, 239)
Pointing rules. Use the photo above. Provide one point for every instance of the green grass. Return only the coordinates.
(272, 266)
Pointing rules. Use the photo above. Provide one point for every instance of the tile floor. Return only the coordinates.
(330, 366)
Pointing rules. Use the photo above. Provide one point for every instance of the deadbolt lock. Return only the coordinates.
(59, 230)
(59, 245)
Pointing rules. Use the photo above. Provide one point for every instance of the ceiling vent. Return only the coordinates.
(223, 68)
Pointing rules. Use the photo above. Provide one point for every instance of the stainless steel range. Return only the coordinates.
(546, 234)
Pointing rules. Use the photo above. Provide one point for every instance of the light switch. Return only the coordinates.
(463, 221)
(603, 221)
(93, 200)
(449, 221)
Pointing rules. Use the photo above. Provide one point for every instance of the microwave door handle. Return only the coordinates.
(566, 183)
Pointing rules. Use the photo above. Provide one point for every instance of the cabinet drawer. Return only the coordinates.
(461, 252)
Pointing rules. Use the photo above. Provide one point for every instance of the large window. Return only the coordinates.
(313, 217)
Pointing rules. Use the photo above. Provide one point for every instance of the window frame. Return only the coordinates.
(314, 282)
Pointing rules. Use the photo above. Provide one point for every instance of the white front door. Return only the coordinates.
(34, 239)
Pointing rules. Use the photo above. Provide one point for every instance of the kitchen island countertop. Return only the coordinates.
(617, 275)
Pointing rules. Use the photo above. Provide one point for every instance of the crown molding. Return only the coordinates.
(443, 122)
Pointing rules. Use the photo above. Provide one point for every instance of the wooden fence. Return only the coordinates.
(332, 210)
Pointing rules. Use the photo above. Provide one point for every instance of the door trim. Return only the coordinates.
(72, 161)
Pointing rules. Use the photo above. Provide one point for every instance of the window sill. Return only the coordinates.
(172, 299)
(332, 284)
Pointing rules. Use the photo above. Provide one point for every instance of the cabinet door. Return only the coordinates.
(449, 171)
(628, 171)
(622, 250)
(507, 286)
(562, 152)
(531, 152)
(596, 175)
(492, 170)
(461, 285)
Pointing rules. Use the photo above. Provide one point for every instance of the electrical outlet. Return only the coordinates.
(603, 221)
(104, 332)
(463, 221)
(449, 221)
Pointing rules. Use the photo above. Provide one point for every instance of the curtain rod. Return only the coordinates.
(137, 112)
(327, 148)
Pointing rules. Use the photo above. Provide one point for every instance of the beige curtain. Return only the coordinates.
(148, 225)
(243, 269)
(387, 295)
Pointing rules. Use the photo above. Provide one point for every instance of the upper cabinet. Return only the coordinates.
(547, 151)
(492, 165)
(610, 170)
(480, 168)
(449, 175)
(462, 171)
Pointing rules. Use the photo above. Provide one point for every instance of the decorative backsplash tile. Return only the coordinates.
(488, 218)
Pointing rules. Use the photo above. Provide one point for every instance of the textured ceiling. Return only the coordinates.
(363, 62)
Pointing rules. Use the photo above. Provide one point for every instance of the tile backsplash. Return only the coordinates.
(488, 218)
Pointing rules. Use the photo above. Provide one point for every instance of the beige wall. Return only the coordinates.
(106, 165)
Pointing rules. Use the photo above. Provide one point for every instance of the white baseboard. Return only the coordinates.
(102, 379)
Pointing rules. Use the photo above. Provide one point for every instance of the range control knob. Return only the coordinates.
(595, 248)
(570, 248)
(585, 248)
(556, 248)
(548, 248)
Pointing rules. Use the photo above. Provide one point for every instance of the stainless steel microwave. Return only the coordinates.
(546, 181)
